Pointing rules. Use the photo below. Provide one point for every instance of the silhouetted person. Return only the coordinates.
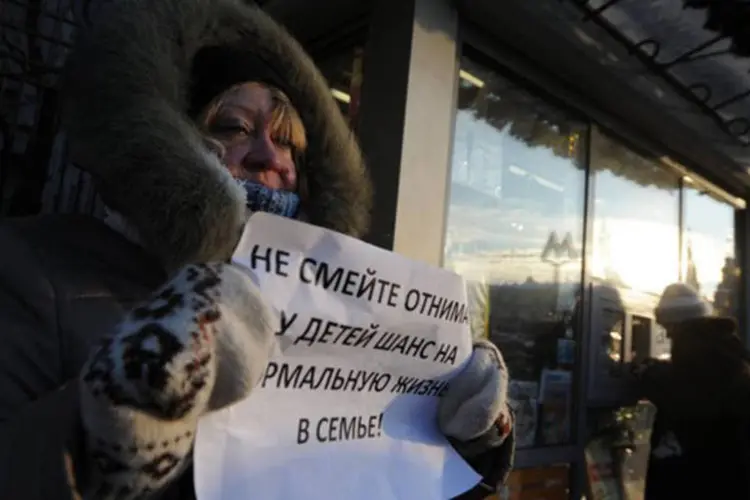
(699, 445)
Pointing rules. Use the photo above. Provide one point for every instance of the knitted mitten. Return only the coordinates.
(476, 401)
(200, 344)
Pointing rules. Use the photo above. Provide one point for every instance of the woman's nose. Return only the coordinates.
(265, 155)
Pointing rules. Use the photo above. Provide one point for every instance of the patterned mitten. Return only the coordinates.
(476, 402)
(200, 344)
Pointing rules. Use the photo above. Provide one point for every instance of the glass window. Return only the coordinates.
(635, 254)
(636, 212)
(709, 257)
(515, 232)
(344, 74)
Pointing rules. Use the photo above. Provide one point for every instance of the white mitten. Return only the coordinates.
(476, 400)
(200, 344)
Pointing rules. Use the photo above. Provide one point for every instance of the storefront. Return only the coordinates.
(543, 153)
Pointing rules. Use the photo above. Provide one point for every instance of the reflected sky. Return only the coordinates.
(509, 194)
(636, 226)
(506, 198)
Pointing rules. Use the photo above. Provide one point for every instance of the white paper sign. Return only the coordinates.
(367, 341)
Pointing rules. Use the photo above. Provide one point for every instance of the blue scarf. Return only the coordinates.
(261, 198)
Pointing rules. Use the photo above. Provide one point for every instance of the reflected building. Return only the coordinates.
(726, 296)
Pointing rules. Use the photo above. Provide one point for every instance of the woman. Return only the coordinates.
(699, 445)
(189, 114)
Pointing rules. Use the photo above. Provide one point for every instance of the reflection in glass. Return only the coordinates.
(515, 231)
(636, 216)
(615, 341)
(344, 74)
(640, 343)
(709, 255)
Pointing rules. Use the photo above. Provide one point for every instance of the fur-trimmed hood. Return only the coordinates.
(126, 94)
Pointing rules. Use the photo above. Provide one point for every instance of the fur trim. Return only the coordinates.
(125, 110)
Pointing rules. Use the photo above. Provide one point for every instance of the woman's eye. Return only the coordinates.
(231, 129)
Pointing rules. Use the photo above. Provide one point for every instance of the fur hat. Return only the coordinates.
(128, 94)
(680, 302)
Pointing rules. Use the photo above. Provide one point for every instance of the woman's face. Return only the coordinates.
(244, 126)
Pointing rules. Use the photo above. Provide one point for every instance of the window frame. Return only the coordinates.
(519, 69)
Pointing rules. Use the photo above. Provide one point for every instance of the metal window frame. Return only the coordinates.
(699, 94)
(583, 343)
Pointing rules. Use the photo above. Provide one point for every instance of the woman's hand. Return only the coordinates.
(200, 344)
(474, 414)
(477, 399)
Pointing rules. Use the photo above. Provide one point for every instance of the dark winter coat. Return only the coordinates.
(700, 446)
(66, 281)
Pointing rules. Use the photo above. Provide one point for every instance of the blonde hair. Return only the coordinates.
(286, 124)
